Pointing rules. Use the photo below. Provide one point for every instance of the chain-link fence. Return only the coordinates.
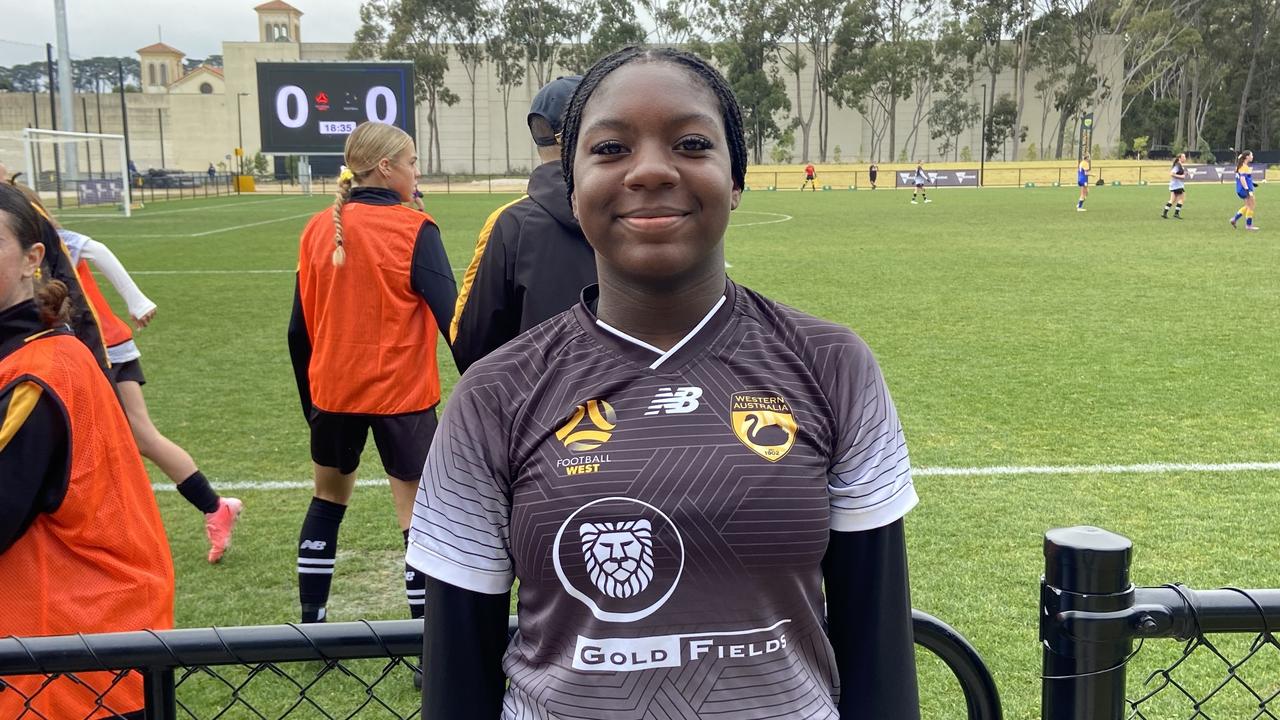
(1094, 628)
(337, 670)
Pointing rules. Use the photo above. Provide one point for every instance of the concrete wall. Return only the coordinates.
(199, 129)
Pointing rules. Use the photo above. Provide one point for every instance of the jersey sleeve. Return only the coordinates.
(460, 532)
(106, 262)
(869, 480)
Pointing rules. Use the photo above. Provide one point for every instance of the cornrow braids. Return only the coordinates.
(730, 111)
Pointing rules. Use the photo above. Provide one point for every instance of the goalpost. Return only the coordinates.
(104, 179)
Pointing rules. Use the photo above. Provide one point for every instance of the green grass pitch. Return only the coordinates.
(1013, 331)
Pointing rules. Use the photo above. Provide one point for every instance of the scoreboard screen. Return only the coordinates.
(309, 108)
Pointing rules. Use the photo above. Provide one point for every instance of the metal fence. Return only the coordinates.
(338, 670)
(1090, 616)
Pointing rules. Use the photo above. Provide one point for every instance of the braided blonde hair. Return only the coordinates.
(365, 148)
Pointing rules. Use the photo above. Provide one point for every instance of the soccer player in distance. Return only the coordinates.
(374, 289)
(677, 461)
(82, 546)
(1244, 190)
(1177, 187)
(1082, 179)
(810, 178)
(220, 514)
(920, 178)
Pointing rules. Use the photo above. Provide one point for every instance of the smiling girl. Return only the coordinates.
(673, 469)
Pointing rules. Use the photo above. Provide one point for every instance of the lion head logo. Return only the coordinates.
(619, 556)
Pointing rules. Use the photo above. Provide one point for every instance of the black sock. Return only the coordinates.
(197, 491)
(415, 586)
(1177, 210)
(317, 548)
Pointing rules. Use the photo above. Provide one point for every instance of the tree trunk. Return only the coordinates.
(893, 127)
(1259, 28)
(1180, 127)
(1020, 79)
(473, 123)
(1193, 128)
(506, 124)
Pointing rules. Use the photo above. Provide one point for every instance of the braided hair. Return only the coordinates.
(364, 149)
(730, 112)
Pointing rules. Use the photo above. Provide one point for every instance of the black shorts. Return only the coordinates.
(338, 439)
(131, 370)
(1178, 191)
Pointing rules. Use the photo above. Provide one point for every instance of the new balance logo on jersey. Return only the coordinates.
(676, 401)
(313, 545)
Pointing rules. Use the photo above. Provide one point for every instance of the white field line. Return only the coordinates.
(205, 233)
(778, 218)
(1138, 469)
(220, 206)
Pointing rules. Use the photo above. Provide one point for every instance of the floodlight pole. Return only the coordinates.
(66, 86)
(982, 154)
(240, 141)
(124, 126)
(53, 120)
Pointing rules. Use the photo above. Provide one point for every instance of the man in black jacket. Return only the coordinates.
(531, 260)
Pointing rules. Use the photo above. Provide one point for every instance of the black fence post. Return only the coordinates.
(161, 699)
(1085, 569)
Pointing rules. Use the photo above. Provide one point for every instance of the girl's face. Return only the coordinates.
(400, 174)
(653, 185)
(17, 266)
(1182, 157)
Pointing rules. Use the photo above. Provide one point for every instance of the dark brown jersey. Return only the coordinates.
(666, 513)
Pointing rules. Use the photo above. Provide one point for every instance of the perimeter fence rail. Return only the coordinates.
(762, 177)
(327, 670)
(1094, 625)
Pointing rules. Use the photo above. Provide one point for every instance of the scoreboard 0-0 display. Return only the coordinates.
(309, 108)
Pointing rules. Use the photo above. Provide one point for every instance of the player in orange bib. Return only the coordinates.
(220, 514)
(82, 547)
(374, 291)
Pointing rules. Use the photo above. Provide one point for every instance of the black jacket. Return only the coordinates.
(531, 263)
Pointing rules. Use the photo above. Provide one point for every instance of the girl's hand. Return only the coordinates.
(145, 320)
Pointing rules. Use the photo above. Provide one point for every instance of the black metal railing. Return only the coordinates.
(328, 670)
(1090, 616)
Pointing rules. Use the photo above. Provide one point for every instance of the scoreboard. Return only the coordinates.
(309, 108)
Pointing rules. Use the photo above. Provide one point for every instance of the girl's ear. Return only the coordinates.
(735, 198)
(573, 205)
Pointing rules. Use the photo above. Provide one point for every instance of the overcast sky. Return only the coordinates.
(120, 27)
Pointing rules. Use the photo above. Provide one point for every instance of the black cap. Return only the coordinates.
(549, 104)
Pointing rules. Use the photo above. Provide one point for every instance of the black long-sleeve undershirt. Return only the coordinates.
(869, 624)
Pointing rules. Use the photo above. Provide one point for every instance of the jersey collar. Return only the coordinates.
(642, 353)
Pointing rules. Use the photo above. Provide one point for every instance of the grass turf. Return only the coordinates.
(1011, 329)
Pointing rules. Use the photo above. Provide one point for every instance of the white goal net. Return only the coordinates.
(101, 187)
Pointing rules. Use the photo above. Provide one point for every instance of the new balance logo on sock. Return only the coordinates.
(410, 575)
(313, 545)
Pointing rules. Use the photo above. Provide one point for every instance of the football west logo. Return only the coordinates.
(590, 426)
(763, 422)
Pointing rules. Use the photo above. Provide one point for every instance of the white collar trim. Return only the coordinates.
(663, 356)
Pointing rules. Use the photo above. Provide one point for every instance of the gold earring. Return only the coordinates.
(38, 274)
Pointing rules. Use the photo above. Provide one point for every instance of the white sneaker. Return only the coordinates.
(913, 202)
(928, 200)
(1080, 209)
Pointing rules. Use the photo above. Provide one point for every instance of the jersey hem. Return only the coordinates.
(446, 570)
(894, 510)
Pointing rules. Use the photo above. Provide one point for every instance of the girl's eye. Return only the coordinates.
(607, 147)
(695, 143)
